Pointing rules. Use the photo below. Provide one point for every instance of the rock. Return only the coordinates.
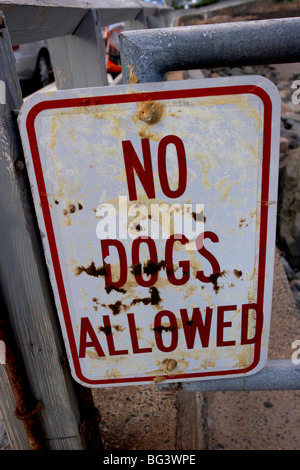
(284, 145)
(288, 123)
(295, 288)
(289, 207)
(288, 270)
(295, 285)
(285, 93)
(294, 141)
(195, 74)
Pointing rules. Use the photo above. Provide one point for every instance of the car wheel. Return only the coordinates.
(43, 72)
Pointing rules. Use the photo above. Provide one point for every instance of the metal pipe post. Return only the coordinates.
(276, 375)
(153, 53)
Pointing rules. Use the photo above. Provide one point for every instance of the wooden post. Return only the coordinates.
(78, 59)
(26, 289)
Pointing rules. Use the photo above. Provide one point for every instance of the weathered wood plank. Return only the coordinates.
(25, 285)
(78, 60)
(14, 427)
(34, 20)
(30, 23)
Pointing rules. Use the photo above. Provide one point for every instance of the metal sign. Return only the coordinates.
(157, 209)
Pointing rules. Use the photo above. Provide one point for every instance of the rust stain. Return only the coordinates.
(132, 76)
(150, 111)
(153, 268)
(199, 217)
(169, 364)
(214, 279)
(92, 354)
(154, 298)
(145, 133)
(91, 270)
(117, 289)
(118, 328)
(159, 329)
(237, 273)
(116, 308)
(159, 379)
(105, 329)
(242, 220)
(136, 269)
(149, 268)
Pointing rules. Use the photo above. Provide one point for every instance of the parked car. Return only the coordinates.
(186, 3)
(33, 64)
(112, 48)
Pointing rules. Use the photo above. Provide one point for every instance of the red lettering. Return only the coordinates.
(145, 174)
(162, 166)
(245, 321)
(136, 260)
(196, 323)
(206, 254)
(159, 329)
(105, 246)
(86, 329)
(134, 339)
(184, 265)
(221, 324)
(110, 340)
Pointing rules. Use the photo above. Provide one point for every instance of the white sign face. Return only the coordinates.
(157, 208)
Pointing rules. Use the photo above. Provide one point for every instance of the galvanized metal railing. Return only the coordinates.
(153, 53)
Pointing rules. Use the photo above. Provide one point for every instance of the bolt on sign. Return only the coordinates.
(156, 205)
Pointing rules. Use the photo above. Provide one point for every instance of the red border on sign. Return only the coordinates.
(138, 97)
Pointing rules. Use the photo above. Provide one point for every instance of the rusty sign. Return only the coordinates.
(156, 205)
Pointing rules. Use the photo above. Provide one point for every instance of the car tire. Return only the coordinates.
(43, 73)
